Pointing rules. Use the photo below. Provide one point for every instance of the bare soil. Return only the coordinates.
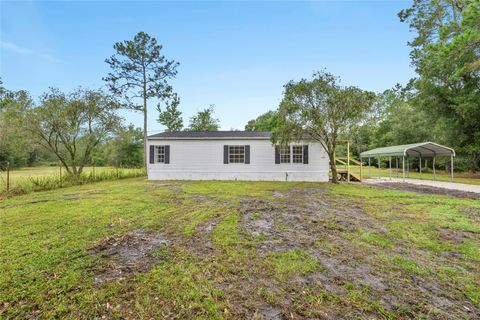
(126, 254)
(328, 227)
(427, 190)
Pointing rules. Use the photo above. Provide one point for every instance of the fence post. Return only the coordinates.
(8, 176)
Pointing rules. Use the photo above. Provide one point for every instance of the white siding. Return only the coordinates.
(202, 159)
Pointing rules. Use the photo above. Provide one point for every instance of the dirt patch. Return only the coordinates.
(127, 254)
(329, 228)
(201, 243)
(455, 236)
(427, 190)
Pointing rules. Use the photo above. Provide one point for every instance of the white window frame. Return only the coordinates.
(290, 157)
(295, 156)
(159, 154)
(285, 154)
(238, 154)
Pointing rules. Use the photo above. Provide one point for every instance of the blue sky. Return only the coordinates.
(236, 55)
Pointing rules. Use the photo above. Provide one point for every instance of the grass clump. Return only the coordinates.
(292, 262)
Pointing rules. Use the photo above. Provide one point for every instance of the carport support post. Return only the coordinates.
(433, 168)
(408, 169)
(420, 166)
(369, 168)
(403, 168)
(396, 165)
(390, 167)
(378, 166)
(451, 167)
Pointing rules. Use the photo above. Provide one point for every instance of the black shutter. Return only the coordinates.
(167, 154)
(247, 154)
(225, 154)
(277, 155)
(152, 154)
(305, 154)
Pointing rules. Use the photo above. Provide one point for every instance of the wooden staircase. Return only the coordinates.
(344, 174)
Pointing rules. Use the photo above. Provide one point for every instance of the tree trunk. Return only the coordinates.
(333, 167)
(145, 155)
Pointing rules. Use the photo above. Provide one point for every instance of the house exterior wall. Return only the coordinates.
(203, 159)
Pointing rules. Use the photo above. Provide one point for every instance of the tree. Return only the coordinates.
(320, 109)
(16, 146)
(72, 125)
(204, 120)
(125, 148)
(171, 117)
(446, 56)
(265, 122)
(140, 71)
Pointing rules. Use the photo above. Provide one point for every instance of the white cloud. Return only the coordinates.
(24, 51)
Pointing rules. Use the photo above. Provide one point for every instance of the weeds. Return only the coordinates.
(50, 182)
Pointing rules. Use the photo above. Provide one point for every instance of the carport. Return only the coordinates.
(424, 150)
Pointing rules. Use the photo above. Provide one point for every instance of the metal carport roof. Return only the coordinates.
(424, 149)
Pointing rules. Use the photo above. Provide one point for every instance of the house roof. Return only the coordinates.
(423, 149)
(211, 135)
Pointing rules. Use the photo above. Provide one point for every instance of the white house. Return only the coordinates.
(233, 155)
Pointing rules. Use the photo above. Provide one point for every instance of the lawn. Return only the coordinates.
(269, 250)
(441, 175)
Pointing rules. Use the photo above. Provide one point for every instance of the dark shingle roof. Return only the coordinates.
(212, 135)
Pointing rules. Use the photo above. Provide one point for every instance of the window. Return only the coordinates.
(160, 154)
(297, 154)
(285, 154)
(236, 154)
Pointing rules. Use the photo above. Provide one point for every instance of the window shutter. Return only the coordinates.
(152, 154)
(247, 154)
(277, 155)
(305, 154)
(225, 154)
(167, 154)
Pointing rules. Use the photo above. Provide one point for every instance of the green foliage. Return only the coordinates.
(171, 117)
(204, 120)
(72, 125)
(125, 148)
(446, 56)
(265, 122)
(140, 71)
(16, 145)
(321, 109)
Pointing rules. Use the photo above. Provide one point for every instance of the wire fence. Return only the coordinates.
(32, 179)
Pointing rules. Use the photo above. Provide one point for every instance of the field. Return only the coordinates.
(135, 249)
(40, 178)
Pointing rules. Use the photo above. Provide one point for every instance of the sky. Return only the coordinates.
(235, 55)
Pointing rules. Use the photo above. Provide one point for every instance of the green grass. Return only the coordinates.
(372, 172)
(292, 262)
(407, 239)
(31, 179)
